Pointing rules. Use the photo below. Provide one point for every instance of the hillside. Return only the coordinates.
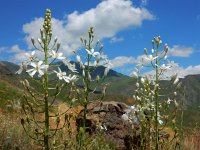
(120, 88)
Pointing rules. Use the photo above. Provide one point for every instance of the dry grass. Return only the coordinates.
(192, 140)
(13, 137)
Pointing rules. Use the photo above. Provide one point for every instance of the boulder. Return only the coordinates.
(107, 115)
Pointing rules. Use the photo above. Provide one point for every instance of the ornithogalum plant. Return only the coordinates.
(153, 100)
(91, 80)
(39, 105)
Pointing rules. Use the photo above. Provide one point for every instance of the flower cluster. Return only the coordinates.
(40, 67)
(152, 103)
(93, 58)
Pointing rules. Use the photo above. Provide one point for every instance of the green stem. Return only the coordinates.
(46, 106)
(156, 99)
(82, 136)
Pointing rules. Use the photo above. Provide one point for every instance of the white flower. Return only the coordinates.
(103, 127)
(56, 55)
(142, 80)
(134, 74)
(133, 107)
(92, 52)
(175, 94)
(74, 100)
(70, 66)
(60, 74)
(83, 73)
(176, 80)
(78, 58)
(137, 85)
(30, 55)
(106, 71)
(70, 78)
(38, 67)
(39, 41)
(169, 100)
(165, 57)
(23, 66)
(160, 121)
(95, 63)
(150, 58)
(125, 117)
(152, 50)
(164, 67)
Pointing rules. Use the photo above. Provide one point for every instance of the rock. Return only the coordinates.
(108, 115)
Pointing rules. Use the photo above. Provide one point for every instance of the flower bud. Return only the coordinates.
(97, 78)
(33, 41)
(55, 40)
(39, 41)
(83, 73)
(175, 103)
(145, 51)
(175, 94)
(81, 38)
(106, 71)
(101, 47)
(173, 121)
(152, 42)
(78, 58)
(165, 57)
(142, 80)
(137, 85)
(95, 63)
(176, 81)
(89, 76)
(58, 46)
(27, 83)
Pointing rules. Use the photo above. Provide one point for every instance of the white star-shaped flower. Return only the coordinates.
(92, 52)
(61, 75)
(37, 67)
(30, 55)
(164, 67)
(150, 58)
(56, 55)
(23, 66)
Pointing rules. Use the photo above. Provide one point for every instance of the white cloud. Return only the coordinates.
(121, 61)
(19, 53)
(12, 49)
(16, 49)
(116, 39)
(180, 51)
(182, 72)
(108, 18)
(190, 70)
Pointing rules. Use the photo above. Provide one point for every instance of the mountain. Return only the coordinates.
(8, 68)
(120, 88)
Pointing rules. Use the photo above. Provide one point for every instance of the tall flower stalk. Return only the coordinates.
(91, 81)
(152, 104)
(39, 105)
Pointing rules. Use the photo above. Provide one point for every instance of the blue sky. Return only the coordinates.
(125, 28)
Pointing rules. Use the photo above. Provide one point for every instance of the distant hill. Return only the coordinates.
(8, 68)
(120, 87)
(118, 84)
